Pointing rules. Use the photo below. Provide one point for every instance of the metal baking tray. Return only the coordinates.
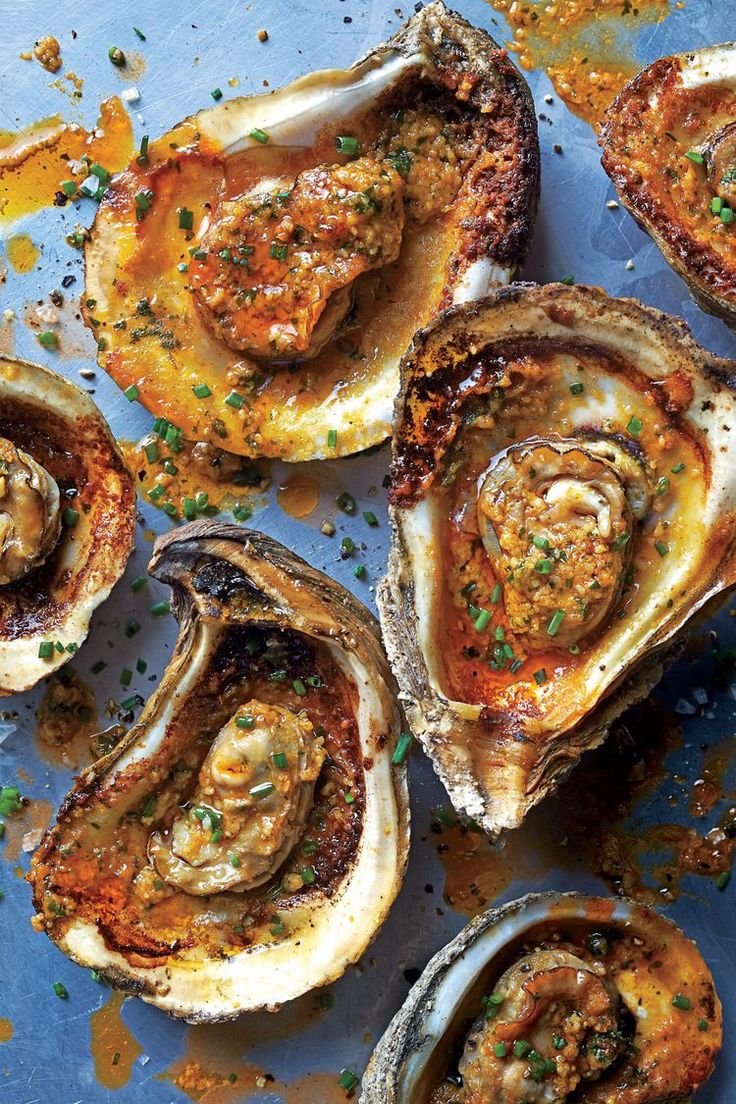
(57, 1052)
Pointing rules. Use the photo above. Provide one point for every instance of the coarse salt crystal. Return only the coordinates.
(684, 707)
(131, 95)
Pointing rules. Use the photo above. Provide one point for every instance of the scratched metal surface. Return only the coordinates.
(191, 48)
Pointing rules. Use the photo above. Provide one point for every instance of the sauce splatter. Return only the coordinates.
(586, 49)
(114, 1047)
(22, 253)
(6, 1030)
(298, 495)
(194, 480)
(65, 720)
(214, 1070)
(35, 160)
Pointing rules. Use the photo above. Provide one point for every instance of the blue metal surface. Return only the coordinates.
(192, 47)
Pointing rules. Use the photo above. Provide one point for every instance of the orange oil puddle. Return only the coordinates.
(214, 1068)
(6, 1030)
(65, 719)
(22, 253)
(35, 160)
(114, 1047)
(183, 478)
(36, 814)
(582, 46)
(298, 496)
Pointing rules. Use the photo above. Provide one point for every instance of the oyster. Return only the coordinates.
(562, 503)
(669, 146)
(256, 274)
(67, 520)
(250, 832)
(549, 998)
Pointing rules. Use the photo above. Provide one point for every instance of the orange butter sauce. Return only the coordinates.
(114, 1047)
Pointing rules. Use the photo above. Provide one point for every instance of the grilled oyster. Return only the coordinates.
(244, 842)
(562, 502)
(67, 520)
(551, 998)
(258, 272)
(669, 146)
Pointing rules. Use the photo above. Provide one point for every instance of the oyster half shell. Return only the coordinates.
(549, 998)
(244, 842)
(259, 271)
(67, 520)
(669, 146)
(562, 501)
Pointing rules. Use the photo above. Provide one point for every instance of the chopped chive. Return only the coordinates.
(278, 676)
(496, 594)
(70, 517)
(155, 492)
(541, 542)
(186, 218)
(188, 508)
(468, 589)
(61, 990)
(151, 451)
(677, 468)
(576, 388)
(348, 1080)
(45, 649)
(482, 620)
(140, 34)
(661, 547)
(723, 879)
(569, 280)
(557, 618)
(141, 666)
(313, 680)
(48, 339)
(278, 251)
(499, 1049)
(634, 426)
(201, 390)
(521, 1048)
(347, 545)
(158, 609)
(620, 541)
(299, 687)
(216, 93)
(346, 503)
(347, 144)
(499, 634)
(402, 747)
(102, 174)
(702, 1025)
(370, 518)
(116, 56)
(279, 760)
(693, 155)
(259, 135)
(131, 393)
(716, 205)
(126, 676)
(142, 157)
(129, 703)
(349, 798)
(263, 789)
(69, 187)
(359, 571)
(544, 567)
(132, 628)
(235, 400)
(143, 200)
(308, 875)
(682, 1002)
(727, 215)
(170, 509)
(247, 720)
(100, 665)
(516, 666)
(663, 485)
(235, 861)
(201, 500)
(332, 438)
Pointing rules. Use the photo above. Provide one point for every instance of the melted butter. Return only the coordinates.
(65, 720)
(34, 160)
(298, 495)
(35, 815)
(22, 253)
(6, 1030)
(114, 1047)
(190, 479)
(586, 49)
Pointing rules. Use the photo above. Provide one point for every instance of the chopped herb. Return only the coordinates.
(370, 518)
(702, 1025)
(716, 205)
(259, 135)
(235, 400)
(158, 609)
(557, 618)
(620, 541)
(576, 388)
(723, 879)
(142, 157)
(140, 34)
(247, 720)
(131, 393)
(45, 649)
(61, 990)
(278, 251)
(308, 875)
(727, 215)
(482, 620)
(541, 542)
(681, 1002)
(346, 503)
(332, 438)
(499, 1049)
(48, 339)
(677, 469)
(401, 160)
(634, 426)
(70, 517)
(129, 703)
(216, 93)
(569, 280)
(278, 676)
(299, 687)
(402, 747)
(521, 1048)
(661, 547)
(544, 567)
(558, 1042)
(263, 789)
(116, 56)
(496, 594)
(235, 861)
(693, 155)
(201, 391)
(347, 145)
(348, 1080)
(186, 218)
(280, 760)
(540, 676)
(359, 571)
(663, 485)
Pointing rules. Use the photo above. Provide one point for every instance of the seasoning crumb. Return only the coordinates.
(557, 148)
(327, 529)
(612, 205)
(9, 315)
(87, 373)
(26, 56)
(262, 35)
(48, 52)
(629, 265)
(548, 99)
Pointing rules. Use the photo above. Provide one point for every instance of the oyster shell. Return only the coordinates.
(562, 504)
(259, 285)
(549, 998)
(67, 520)
(669, 146)
(250, 832)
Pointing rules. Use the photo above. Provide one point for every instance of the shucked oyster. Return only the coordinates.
(562, 499)
(257, 273)
(554, 998)
(245, 841)
(669, 146)
(67, 519)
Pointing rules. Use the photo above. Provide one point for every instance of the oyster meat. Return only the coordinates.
(669, 146)
(67, 520)
(562, 503)
(554, 997)
(245, 840)
(258, 272)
